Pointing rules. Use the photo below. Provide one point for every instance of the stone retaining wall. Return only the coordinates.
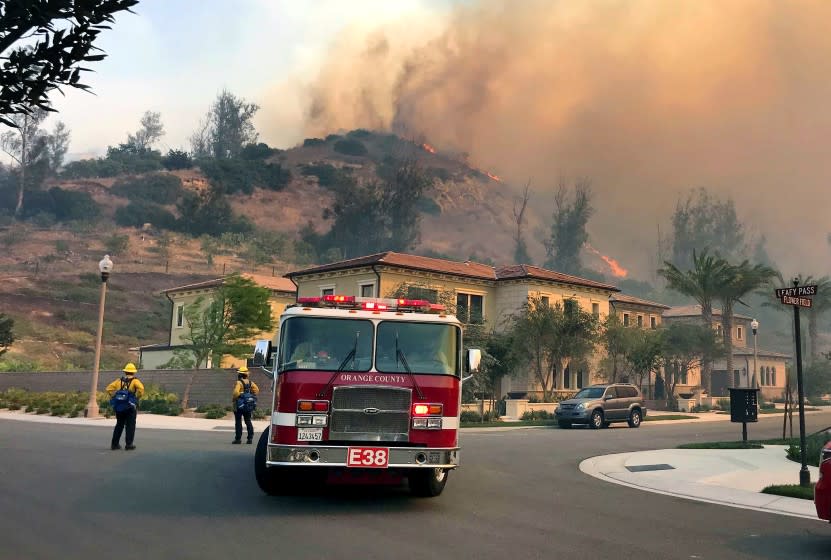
(210, 386)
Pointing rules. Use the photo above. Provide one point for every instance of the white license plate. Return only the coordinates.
(309, 434)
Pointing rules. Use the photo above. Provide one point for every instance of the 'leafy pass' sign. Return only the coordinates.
(798, 291)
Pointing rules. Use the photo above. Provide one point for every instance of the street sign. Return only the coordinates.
(797, 291)
(800, 301)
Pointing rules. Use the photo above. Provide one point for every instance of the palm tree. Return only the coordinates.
(738, 281)
(820, 304)
(703, 283)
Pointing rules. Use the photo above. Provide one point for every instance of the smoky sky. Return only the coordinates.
(647, 98)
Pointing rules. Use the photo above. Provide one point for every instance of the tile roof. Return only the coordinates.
(275, 283)
(623, 298)
(695, 311)
(391, 258)
(529, 271)
(745, 351)
(466, 269)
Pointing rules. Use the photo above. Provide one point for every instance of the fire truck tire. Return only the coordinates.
(269, 479)
(427, 483)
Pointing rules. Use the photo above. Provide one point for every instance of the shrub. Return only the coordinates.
(62, 205)
(161, 188)
(117, 244)
(259, 413)
(427, 205)
(133, 160)
(256, 151)
(536, 415)
(327, 175)
(813, 444)
(215, 413)
(310, 142)
(138, 213)
(359, 133)
(177, 159)
(724, 404)
(767, 406)
(350, 147)
(333, 137)
(239, 175)
(92, 169)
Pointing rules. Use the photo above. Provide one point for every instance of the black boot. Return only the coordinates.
(236, 442)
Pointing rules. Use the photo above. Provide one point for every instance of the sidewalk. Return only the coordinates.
(151, 421)
(731, 477)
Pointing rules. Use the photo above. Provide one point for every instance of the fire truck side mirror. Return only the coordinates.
(474, 357)
(262, 353)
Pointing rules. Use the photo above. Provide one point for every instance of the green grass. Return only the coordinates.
(791, 491)
(652, 418)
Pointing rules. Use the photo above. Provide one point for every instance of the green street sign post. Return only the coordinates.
(799, 296)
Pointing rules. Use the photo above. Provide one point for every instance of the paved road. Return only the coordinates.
(518, 495)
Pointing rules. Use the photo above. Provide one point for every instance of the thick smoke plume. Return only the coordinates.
(648, 98)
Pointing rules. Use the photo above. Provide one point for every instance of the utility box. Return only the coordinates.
(744, 404)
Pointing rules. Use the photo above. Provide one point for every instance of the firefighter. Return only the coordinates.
(125, 415)
(240, 413)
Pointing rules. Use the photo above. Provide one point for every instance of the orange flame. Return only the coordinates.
(428, 148)
(617, 270)
(494, 177)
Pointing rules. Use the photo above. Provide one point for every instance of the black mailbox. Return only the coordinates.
(744, 404)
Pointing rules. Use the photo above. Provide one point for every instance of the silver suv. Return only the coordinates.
(600, 405)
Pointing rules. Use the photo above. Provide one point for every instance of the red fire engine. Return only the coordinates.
(366, 390)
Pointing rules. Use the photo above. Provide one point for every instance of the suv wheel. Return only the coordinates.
(635, 418)
(596, 420)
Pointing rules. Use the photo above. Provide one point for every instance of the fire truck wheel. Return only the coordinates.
(427, 483)
(268, 479)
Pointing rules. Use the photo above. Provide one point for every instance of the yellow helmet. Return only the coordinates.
(130, 368)
(243, 371)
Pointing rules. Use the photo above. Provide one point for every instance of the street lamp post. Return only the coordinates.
(755, 326)
(104, 266)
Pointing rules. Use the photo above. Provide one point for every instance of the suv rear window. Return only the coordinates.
(627, 392)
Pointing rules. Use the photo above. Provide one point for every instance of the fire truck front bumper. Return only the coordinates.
(337, 456)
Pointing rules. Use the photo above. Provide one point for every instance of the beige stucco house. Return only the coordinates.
(480, 293)
(283, 293)
(769, 365)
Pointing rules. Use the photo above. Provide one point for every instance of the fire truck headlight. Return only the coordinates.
(434, 423)
(420, 423)
(319, 420)
(304, 420)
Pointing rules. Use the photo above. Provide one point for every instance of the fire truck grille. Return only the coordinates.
(370, 414)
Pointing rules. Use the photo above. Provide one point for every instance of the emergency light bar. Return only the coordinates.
(371, 304)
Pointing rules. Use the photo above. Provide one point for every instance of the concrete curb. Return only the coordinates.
(144, 421)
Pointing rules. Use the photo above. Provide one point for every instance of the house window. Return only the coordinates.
(567, 378)
(327, 290)
(180, 315)
(653, 322)
(625, 319)
(683, 377)
(596, 310)
(570, 306)
(718, 331)
(367, 290)
(469, 308)
(415, 292)
(738, 333)
(773, 376)
(545, 300)
(640, 320)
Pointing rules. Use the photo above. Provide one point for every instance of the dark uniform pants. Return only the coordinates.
(126, 419)
(238, 416)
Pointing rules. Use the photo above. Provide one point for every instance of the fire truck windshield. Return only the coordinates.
(327, 344)
(426, 347)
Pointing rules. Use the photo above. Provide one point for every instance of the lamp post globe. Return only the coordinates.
(105, 266)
